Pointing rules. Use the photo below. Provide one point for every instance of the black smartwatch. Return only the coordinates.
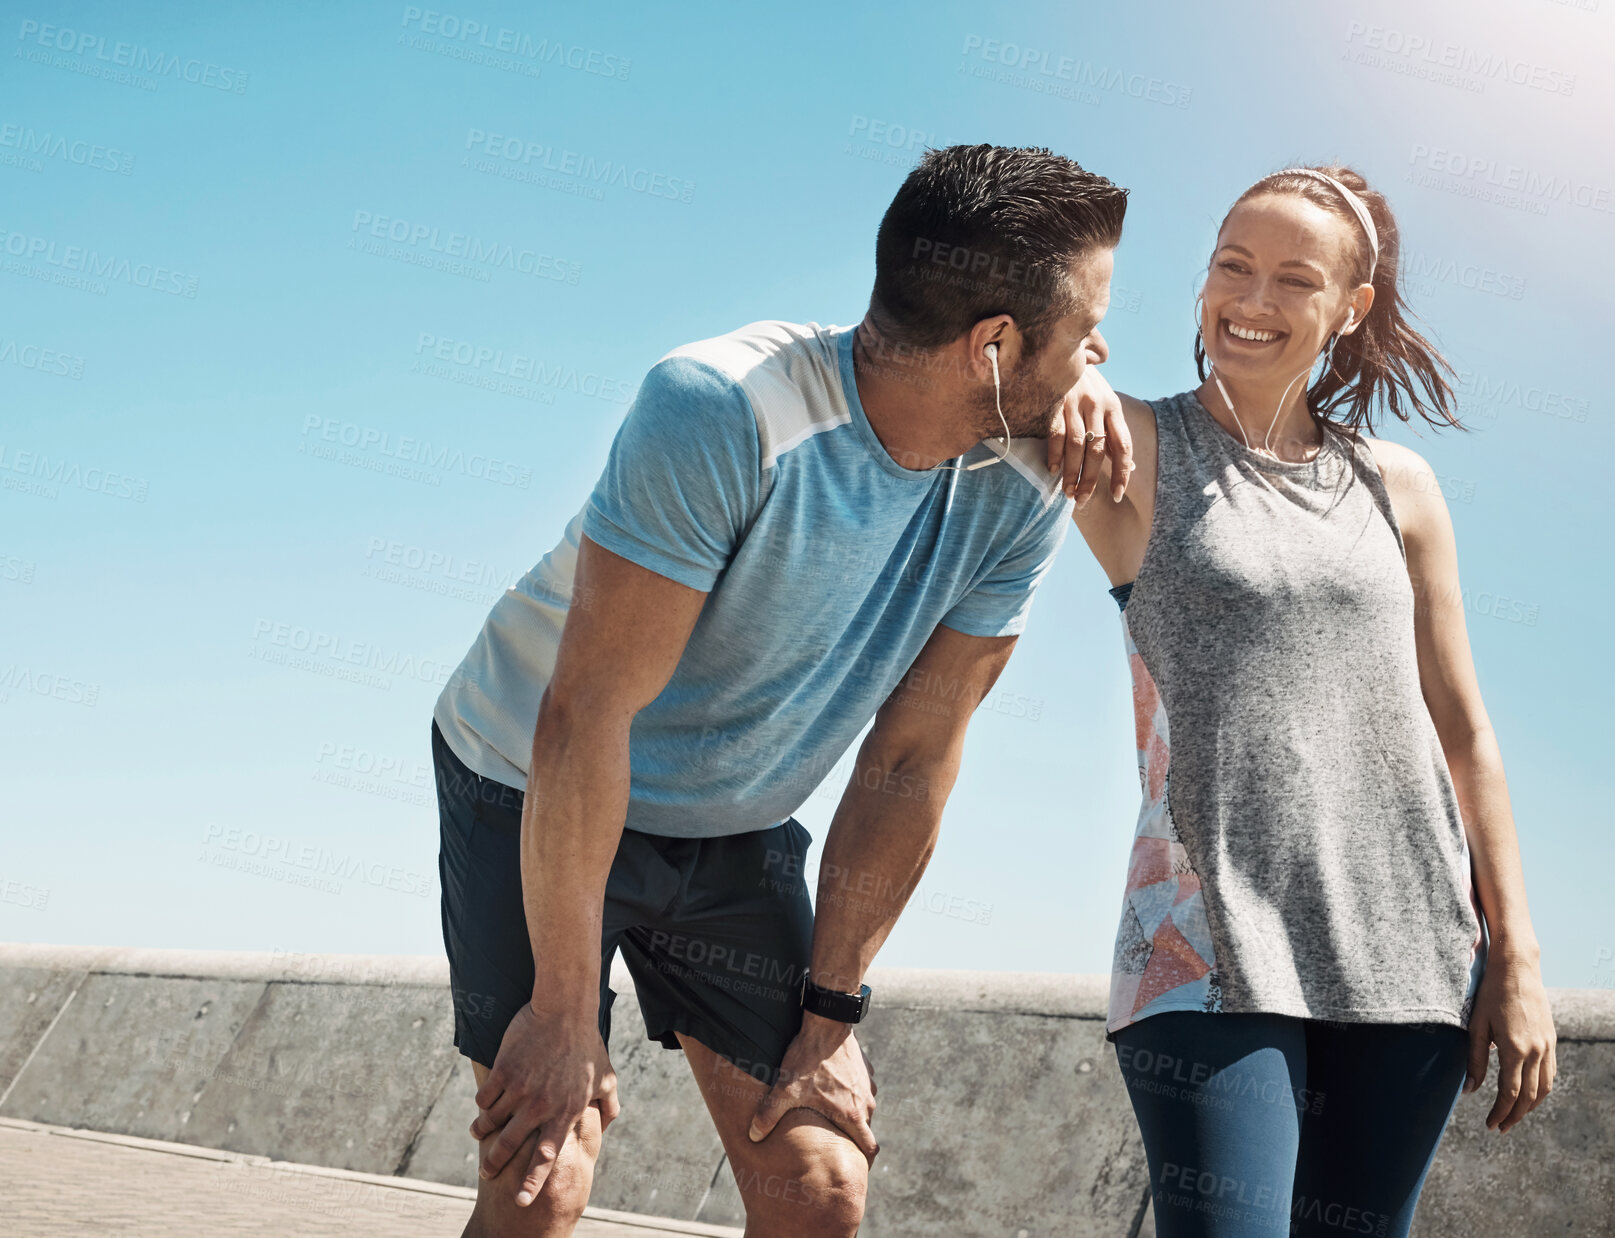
(828, 1004)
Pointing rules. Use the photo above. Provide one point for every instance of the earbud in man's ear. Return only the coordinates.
(993, 349)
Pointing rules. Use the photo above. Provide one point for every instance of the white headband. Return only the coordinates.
(1351, 200)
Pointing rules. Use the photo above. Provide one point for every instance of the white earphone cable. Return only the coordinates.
(992, 356)
(1223, 391)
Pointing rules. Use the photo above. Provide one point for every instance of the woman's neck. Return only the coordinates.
(1293, 435)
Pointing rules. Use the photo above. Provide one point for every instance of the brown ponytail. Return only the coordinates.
(1385, 360)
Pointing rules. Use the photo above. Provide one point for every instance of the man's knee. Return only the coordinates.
(822, 1196)
(838, 1184)
(558, 1205)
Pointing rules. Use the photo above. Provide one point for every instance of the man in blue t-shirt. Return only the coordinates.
(798, 529)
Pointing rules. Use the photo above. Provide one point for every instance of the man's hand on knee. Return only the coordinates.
(548, 1071)
(825, 1070)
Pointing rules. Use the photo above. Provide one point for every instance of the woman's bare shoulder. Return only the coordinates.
(1140, 419)
(1413, 487)
(1140, 416)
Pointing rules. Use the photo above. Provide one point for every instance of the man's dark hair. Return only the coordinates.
(982, 230)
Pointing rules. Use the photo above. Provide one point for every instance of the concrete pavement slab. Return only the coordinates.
(58, 1183)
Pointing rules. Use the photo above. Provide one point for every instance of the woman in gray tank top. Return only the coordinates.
(1324, 928)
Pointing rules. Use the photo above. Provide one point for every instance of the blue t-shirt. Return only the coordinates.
(747, 468)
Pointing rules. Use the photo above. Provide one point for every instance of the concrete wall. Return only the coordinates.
(1001, 1108)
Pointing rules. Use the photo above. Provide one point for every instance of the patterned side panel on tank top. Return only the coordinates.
(1164, 957)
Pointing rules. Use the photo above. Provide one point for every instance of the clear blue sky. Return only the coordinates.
(221, 628)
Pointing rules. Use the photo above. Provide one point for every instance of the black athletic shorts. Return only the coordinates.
(716, 932)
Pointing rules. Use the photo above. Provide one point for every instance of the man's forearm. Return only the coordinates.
(572, 822)
(879, 843)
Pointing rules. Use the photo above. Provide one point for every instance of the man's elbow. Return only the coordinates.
(566, 715)
(929, 754)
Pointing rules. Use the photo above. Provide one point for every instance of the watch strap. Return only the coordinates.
(830, 1004)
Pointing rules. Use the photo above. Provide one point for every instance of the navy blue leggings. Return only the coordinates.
(1264, 1124)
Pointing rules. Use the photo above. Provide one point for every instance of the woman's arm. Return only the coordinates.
(1117, 531)
(1511, 1009)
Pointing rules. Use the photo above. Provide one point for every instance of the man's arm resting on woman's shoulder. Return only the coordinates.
(880, 840)
(1091, 407)
(619, 647)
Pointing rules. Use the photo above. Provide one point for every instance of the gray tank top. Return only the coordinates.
(1299, 850)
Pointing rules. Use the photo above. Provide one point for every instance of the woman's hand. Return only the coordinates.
(1511, 1011)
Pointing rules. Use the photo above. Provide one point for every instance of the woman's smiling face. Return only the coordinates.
(1280, 282)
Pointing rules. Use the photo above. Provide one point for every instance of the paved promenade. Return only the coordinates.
(56, 1183)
